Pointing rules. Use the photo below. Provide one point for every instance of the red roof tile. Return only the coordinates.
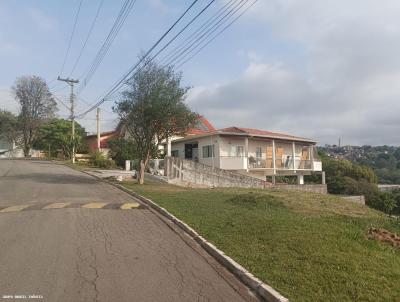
(204, 127)
(250, 131)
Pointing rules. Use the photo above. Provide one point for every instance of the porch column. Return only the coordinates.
(300, 179)
(312, 157)
(168, 147)
(246, 153)
(323, 178)
(273, 157)
(293, 155)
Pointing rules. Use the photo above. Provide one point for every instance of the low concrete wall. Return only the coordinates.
(316, 188)
(388, 188)
(189, 173)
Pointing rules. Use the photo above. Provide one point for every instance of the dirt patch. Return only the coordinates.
(384, 236)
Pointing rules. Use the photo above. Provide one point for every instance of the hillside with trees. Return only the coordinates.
(384, 160)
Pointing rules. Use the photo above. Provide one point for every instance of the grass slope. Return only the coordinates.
(310, 247)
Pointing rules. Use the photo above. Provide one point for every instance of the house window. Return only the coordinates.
(175, 153)
(258, 152)
(208, 151)
(239, 151)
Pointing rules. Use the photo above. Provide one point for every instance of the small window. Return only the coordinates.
(258, 152)
(239, 151)
(175, 153)
(208, 151)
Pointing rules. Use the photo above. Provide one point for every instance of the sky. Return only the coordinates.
(320, 69)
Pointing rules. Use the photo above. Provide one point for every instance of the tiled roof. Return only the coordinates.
(255, 132)
(204, 128)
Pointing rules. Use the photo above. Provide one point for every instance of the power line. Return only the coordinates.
(119, 21)
(218, 34)
(234, 9)
(87, 36)
(61, 102)
(72, 35)
(203, 36)
(205, 24)
(126, 75)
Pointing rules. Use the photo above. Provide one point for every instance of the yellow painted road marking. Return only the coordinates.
(128, 206)
(14, 208)
(57, 205)
(94, 205)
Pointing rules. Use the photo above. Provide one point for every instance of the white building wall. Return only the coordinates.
(203, 141)
(225, 154)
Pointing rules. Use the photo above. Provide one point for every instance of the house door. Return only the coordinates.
(189, 150)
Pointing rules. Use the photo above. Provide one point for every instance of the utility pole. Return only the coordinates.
(98, 128)
(71, 83)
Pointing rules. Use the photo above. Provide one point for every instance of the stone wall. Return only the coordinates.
(190, 173)
(316, 188)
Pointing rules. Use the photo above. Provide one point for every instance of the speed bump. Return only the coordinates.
(57, 205)
(129, 206)
(94, 205)
(14, 208)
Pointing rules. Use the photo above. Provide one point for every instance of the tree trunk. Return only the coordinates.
(141, 178)
(26, 151)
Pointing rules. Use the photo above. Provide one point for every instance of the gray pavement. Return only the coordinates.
(77, 254)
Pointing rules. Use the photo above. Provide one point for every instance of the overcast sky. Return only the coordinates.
(319, 69)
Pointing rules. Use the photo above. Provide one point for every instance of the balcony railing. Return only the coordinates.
(260, 163)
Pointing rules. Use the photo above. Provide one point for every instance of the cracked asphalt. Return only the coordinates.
(77, 254)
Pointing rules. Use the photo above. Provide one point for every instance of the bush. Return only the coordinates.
(98, 159)
(122, 150)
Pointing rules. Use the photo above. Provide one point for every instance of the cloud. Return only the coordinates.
(40, 19)
(275, 97)
(345, 83)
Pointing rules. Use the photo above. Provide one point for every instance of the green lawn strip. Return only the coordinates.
(310, 247)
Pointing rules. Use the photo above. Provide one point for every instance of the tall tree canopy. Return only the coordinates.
(56, 135)
(153, 109)
(36, 107)
(8, 126)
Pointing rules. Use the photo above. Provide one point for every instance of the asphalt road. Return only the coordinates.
(78, 254)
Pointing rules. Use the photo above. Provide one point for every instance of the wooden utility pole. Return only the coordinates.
(71, 83)
(98, 128)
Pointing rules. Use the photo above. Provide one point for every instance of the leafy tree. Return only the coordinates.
(153, 109)
(36, 107)
(57, 134)
(8, 126)
(387, 202)
(122, 150)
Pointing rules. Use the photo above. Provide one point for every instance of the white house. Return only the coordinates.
(256, 152)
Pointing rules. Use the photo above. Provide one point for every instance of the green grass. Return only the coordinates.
(310, 247)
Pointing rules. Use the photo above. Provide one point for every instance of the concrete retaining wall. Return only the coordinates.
(189, 173)
(323, 189)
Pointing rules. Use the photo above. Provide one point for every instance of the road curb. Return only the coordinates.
(263, 290)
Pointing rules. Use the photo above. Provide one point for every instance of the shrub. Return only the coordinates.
(122, 150)
(98, 159)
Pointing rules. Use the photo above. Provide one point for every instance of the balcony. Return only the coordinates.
(280, 164)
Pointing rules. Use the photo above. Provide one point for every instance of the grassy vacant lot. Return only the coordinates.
(310, 247)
